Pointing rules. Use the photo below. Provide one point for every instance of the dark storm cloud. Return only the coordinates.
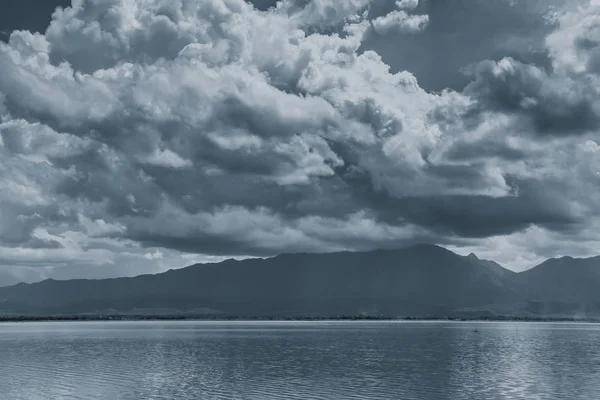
(137, 136)
(470, 216)
(478, 216)
(554, 104)
(492, 147)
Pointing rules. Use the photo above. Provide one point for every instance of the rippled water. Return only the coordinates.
(303, 360)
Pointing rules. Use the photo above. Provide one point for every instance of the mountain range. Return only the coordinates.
(418, 281)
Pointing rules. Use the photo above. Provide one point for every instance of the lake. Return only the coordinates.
(299, 360)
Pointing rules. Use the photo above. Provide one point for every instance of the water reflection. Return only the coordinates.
(347, 360)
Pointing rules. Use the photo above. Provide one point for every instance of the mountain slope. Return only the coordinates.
(418, 280)
(566, 279)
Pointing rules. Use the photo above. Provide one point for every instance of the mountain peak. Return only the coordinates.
(473, 256)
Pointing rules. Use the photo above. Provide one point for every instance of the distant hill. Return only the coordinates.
(418, 281)
(564, 279)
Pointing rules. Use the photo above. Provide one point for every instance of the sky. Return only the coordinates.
(142, 135)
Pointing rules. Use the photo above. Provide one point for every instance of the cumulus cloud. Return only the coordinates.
(554, 103)
(574, 47)
(145, 135)
(400, 21)
(407, 4)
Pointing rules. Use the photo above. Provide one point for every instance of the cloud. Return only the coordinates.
(400, 21)
(574, 47)
(464, 32)
(321, 14)
(554, 104)
(407, 4)
(167, 158)
(203, 129)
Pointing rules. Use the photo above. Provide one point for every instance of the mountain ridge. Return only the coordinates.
(411, 281)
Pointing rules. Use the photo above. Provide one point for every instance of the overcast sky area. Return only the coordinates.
(142, 135)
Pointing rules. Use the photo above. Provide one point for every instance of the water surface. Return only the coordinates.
(299, 360)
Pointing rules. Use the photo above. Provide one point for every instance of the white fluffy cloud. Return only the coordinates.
(131, 129)
(400, 21)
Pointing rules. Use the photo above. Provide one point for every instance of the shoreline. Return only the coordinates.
(137, 318)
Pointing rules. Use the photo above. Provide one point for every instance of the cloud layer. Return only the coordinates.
(143, 135)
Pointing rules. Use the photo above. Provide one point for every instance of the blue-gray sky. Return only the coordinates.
(141, 136)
